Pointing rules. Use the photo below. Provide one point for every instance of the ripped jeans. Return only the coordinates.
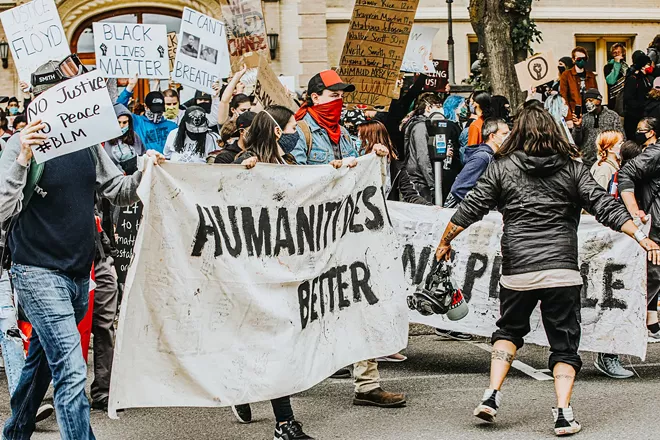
(10, 337)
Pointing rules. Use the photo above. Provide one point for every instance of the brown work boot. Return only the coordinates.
(380, 398)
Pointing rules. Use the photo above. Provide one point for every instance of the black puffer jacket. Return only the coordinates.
(540, 199)
(642, 175)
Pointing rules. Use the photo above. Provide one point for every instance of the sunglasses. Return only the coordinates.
(69, 68)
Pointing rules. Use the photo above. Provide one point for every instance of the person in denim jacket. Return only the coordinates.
(322, 139)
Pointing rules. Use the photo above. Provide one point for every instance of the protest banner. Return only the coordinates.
(78, 114)
(418, 57)
(536, 70)
(202, 57)
(246, 32)
(613, 267)
(374, 49)
(125, 50)
(438, 81)
(35, 36)
(239, 296)
(172, 45)
(128, 224)
(269, 90)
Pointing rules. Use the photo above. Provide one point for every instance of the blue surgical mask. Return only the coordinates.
(125, 129)
(288, 141)
(473, 110)
(13, 111)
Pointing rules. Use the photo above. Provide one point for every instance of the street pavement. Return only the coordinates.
(444, 382)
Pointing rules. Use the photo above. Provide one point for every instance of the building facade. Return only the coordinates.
(311, 33)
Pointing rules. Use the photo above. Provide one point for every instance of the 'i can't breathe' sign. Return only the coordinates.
(126, 50)
(77, 113)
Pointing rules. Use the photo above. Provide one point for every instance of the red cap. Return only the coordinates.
(328, 79)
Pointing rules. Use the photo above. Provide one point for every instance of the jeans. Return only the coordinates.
(103, 329)
(10, 336)
(366, 376)
(54, 303)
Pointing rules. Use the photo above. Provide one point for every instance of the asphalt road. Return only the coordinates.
(444, 382)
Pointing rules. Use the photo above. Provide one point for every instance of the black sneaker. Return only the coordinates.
(456, 336)
(490, 403)
(565, 423)
(343, 373)
(243, 413)
(100, 405)
(290, 431)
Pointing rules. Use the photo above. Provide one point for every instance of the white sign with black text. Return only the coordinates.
(78, 114)
(418, 56)
(202, 57)
(125, 50)
(35, 36)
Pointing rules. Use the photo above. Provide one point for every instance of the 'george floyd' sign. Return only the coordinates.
(35, 35)
(78, 114)
(126, 50)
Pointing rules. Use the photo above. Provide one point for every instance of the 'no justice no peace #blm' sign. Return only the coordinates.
(77, 113)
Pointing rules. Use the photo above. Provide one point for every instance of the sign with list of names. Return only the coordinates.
(78, 114)
(125, 50)
(202, 56)
(376, 42)
(35, 36)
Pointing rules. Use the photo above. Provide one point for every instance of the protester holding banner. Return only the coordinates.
(322, 139)
(193, 141)
(271, 138)
(125, 149)
(640, 176)
(152, 127)
(540, 190)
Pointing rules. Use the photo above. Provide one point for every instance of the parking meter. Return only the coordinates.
(438, 131)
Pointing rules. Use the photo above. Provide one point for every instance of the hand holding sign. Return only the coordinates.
(30, 137)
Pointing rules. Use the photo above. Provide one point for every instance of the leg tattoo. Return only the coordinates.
(501, 355)
(564, 377)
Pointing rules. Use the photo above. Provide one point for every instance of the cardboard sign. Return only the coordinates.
(128, 224)
(35, 35)
(289, 82)
(126, 50)
(438, 81)
(172, 45)
(374, 49)
(78, 114)
(269, 90)
(418, 57)
(246, 32)
(202, 57)
(536, 70)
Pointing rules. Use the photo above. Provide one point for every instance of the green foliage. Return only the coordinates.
(524, 31)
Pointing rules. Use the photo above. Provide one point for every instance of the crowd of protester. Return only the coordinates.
(486, 140)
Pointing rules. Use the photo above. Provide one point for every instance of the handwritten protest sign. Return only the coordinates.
(246, 32)
(78, 113)
(536, 70)
(172, 45)
(438, 81)
(202, 57)
(128, 224)
(126, 50)
(374, 49)
(35, 35)
(269, 90)
(418, 56)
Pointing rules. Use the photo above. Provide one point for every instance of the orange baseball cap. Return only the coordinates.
(328, 79)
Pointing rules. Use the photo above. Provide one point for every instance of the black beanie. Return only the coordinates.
(568, 61)
(641, 61)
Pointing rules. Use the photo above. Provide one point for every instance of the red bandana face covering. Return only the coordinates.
(327, 116)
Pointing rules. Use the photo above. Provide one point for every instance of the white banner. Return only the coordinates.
(202, 56)
(78, 113)
(418, 56)
(126, 50)
(613, 266)
(239, 296)
(35, 36)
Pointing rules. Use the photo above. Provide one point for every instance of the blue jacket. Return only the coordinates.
(322, 152)
(153, 135)
(477, 160)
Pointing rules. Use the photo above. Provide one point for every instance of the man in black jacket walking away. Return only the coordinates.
(540, 190)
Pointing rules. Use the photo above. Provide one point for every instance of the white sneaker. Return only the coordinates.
(490, 403)
(654, 336)
(610, 365)
(565, 423)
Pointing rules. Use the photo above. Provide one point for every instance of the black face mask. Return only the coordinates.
(288, 141)
(640, 138)
(562, 69)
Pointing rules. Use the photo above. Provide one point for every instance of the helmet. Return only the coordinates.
(438, 295)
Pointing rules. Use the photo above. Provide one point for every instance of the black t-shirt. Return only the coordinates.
(228, 154)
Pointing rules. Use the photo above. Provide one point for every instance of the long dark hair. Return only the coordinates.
(180, 140)
(129, 137)
(260, 139)
(537, 134)
(485, 103)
